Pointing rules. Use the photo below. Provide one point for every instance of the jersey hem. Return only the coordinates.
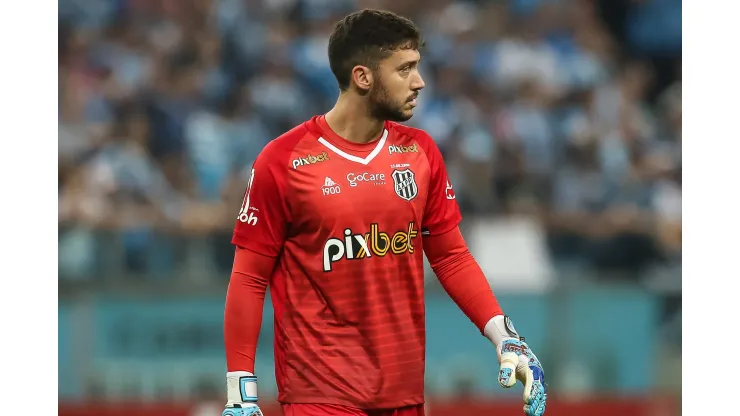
(389, 404)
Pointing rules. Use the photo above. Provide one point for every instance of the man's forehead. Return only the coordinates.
(404, 55)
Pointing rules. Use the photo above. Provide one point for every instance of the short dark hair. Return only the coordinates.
(367, 37)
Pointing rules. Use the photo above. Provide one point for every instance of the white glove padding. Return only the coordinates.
(241, 394)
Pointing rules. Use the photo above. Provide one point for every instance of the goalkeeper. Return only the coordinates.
(337, 216)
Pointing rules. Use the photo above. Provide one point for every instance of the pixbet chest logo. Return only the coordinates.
(395, 148)
(360, 246)
(310, 159)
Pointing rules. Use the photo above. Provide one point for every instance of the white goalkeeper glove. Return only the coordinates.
(518, 362)
(241, 394)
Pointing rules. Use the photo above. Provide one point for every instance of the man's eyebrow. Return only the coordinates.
(409, 62)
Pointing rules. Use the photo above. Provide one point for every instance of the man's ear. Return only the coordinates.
(362, 77)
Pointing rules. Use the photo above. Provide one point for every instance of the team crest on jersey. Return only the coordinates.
(404, 182)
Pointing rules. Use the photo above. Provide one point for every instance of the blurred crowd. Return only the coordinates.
(566, 111)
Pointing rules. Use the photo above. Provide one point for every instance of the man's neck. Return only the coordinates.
(350, 119)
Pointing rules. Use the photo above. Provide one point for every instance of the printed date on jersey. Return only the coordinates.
(361, 246)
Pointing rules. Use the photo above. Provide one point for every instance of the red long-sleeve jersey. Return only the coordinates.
(345, 224)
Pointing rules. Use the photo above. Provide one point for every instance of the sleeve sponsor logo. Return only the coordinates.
(449, 192)
(246, 214)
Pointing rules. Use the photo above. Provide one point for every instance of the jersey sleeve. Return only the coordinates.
(441, 213)
(263, 219)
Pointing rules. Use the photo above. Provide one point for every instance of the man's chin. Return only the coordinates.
(400, 115)
(404, 115)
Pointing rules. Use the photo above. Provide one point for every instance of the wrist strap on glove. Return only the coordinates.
(500, 328)
(241, 388)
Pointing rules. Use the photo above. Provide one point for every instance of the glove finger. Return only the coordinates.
(527, 378)
(531, 410)
(507, 374)
(537, 407)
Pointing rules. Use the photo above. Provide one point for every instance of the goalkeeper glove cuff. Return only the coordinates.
(500, 328)
(241, 389)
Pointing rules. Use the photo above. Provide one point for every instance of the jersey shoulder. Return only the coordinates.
(403, 133)
(402, 130)
(407, 132)
(279, 150)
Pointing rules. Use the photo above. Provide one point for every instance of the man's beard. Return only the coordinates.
(381, 106)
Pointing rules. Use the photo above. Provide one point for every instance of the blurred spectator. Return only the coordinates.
(566, 111)
(223, 142)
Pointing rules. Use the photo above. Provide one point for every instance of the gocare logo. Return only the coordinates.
(310, 159)
(414, 148)
(375, 178)
(360, 246)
